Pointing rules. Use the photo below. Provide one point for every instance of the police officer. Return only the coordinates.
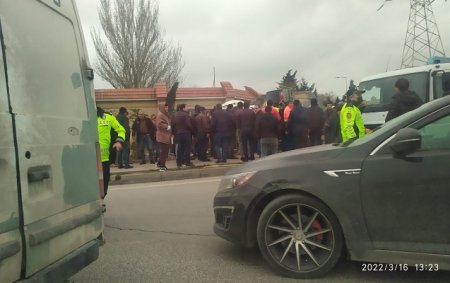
(351, 121)
(105, 122)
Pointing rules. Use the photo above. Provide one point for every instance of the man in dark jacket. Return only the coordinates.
(236, 111)
(403, 101)
(203, 128)
(297, 127)
(182, 129)
(330, 129)
(274, 110)
(123, 156)
(315, 122)
(245, 122)
(222, 126)
(232, 136)
(267, 131)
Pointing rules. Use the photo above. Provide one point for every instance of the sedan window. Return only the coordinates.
(436, 135)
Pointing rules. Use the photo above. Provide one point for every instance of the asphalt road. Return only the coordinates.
(162, 232)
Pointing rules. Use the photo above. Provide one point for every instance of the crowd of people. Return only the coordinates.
(224, 134)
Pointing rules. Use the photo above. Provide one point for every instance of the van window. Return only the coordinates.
(378, 93)
(438, 85)
(44, 70)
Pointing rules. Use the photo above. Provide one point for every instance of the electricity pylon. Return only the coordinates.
(422, 39)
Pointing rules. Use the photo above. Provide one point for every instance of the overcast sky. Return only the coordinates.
(255, 42)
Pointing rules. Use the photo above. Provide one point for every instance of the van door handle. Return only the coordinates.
(38, 174)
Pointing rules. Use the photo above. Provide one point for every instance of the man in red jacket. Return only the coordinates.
(145, 132)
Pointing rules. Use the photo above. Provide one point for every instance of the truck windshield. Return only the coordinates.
(379, 92)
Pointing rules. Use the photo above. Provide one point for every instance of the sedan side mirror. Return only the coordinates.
(406, 141)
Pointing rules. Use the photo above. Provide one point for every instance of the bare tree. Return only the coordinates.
(134, 53)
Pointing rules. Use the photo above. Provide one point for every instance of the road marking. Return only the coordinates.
(164, 184)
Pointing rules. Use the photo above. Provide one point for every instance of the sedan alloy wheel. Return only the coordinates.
(299, 236)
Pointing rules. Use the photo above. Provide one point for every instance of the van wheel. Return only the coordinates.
(299, 236)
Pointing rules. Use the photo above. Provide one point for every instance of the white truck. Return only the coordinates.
(50, 173)
(426, 81)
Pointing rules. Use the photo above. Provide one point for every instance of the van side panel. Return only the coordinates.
(10, 237)
(55, 117)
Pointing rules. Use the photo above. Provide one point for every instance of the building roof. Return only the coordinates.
(159, 92)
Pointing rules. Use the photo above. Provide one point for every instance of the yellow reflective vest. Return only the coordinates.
(352, 123)
(104, 125)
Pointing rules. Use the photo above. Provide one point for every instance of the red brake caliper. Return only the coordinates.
(317, 227)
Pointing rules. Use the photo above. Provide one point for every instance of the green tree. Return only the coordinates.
(289, 81)
(131, 51)
(171, 97)
(288, 84)
(304, 85)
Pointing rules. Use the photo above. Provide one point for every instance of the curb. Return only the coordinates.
(118, 178)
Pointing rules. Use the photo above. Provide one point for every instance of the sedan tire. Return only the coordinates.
(299, 236)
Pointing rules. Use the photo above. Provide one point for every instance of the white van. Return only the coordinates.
(50, 208)
(426, 81)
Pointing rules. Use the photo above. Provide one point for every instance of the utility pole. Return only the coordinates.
(422, 40)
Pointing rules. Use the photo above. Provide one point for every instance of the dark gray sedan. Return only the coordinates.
(384, 198)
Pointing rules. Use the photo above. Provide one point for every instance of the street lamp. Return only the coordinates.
(342, 77)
